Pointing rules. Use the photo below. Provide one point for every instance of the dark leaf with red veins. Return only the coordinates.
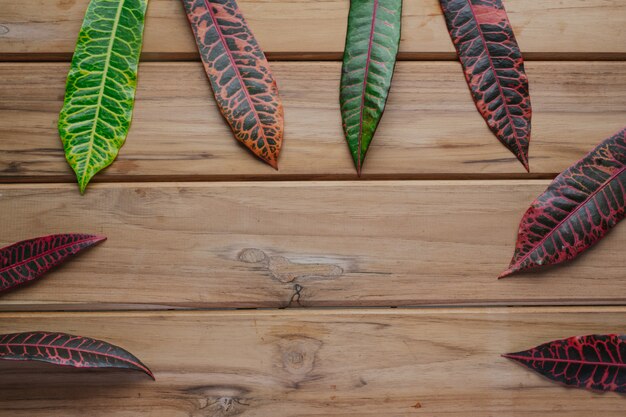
(494, 69)
(240, 76)
(595, 362)
(28, 260)
(67, 350)
(577, 210)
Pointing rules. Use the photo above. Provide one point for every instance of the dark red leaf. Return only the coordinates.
(67, 350)
(595, 362)
(28, 260)
(243, 85)
(577, 210)
(494, 69)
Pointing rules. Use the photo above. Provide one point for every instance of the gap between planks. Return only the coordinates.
(315, 183)
(321, 56)
(321, 312)
(19, 308)
(287, 178)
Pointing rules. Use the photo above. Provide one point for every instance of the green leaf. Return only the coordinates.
(100, 91)
(368, 62)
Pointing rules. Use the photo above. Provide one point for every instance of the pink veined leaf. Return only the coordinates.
(25, 261)
(494, 69)
(594, 362)
(577, 210)
(67, 350)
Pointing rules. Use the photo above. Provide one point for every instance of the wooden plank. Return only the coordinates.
(314, 363)
(278, 244)
(431, 127)
(288, 28)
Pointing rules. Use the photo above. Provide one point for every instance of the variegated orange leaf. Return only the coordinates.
(240, 76)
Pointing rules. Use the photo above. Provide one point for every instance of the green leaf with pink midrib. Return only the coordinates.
(369, 59)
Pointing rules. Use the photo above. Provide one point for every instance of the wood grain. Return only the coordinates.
(279, 244)
(226, 244)
(431, 127)
(547, 29)
(311, 363)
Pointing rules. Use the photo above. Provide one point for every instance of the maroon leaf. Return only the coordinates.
(494, 69)
(67, 350)
(28, 260)
(577, 210)
(594, 362)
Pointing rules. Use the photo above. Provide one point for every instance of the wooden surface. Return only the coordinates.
(195, 222)
(316, 28)
(366, 363)
(298, 244)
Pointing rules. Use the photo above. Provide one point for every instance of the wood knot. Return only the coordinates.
(219, 401)
(295, 359)
(225, 407)
(285, 270)
(252, 256)
(4, 29)
(298, 355)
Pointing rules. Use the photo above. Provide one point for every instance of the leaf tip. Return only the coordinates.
(140, 366)
(515, 357)
(149, 373)
(99, 238)
(82, 186)
(506, 273)
(523, 158)
(272, 162)
(83, 176)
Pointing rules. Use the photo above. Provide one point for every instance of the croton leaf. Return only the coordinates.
(577, 210)
(494, 69)
(25, 261)
(368, 62)
(67, 350)
(244, 88)
(594, 362)
(100, 89)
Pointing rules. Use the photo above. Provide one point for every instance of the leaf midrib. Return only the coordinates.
(235, 69)
(559, 360)
(46, 253)
(78, 350)
(105, 72)
(368, 62)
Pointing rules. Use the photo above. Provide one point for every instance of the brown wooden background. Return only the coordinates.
(196, 223)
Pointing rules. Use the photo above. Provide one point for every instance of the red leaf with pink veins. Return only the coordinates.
(494, 69)
(67, 350)
(25, 261)
(595, 362)
(576, 211)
